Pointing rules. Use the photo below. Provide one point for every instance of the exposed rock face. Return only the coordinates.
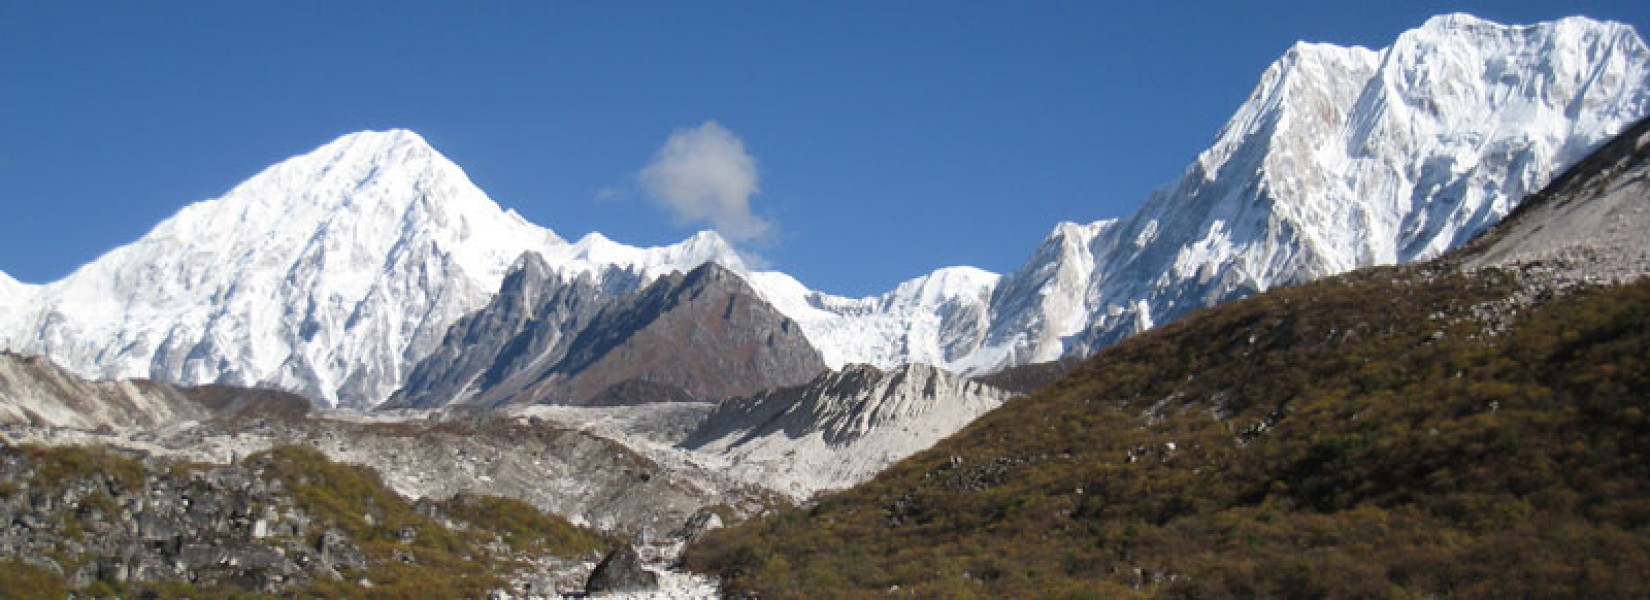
(842, 427)
(702, 334)
(621, 572)
(491, 355)
(696, 527)
(705, 332)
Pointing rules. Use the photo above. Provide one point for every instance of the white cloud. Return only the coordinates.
(703, 174)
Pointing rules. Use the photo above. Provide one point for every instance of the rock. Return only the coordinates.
(621, 571)
(82, 577)
(337, 551)
(701, 522)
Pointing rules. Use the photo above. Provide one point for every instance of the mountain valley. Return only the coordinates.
(1384, 337)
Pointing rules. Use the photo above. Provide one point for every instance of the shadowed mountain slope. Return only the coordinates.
(702, 334)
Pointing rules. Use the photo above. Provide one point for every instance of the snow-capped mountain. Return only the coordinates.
(932, 319)
(328, 274)
(1340, 158)
(333, 273)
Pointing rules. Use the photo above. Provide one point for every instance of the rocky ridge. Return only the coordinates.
(703, 334)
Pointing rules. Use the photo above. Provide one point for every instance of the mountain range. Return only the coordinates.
(337, 273)
(1262, 414)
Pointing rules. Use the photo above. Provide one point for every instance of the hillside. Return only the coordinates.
(1469, 427)
(1363, 436)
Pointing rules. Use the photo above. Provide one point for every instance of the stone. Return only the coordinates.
(621, 571)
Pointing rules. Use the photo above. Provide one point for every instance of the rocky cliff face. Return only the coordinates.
(496, 352)
(702, 334)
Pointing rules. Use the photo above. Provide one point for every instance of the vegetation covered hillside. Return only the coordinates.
(1396, 432)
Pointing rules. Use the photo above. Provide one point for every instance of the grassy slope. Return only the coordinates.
(1357, 437)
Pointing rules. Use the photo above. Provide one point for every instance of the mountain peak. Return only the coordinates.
(363, 251)
(394, 147)
(385, 137)
(1459, 23)
(1456, 21)
(369, 144)
(1341, 157)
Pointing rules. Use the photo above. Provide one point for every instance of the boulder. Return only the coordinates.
(621, 571)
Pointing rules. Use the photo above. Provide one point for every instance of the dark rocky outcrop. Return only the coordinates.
(705, 331)
(230, 402)
(702, 522)
(490, 355)
(704, 334)
(621, 571)
(1026, 379)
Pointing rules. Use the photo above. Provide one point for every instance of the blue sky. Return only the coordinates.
(889, 138)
